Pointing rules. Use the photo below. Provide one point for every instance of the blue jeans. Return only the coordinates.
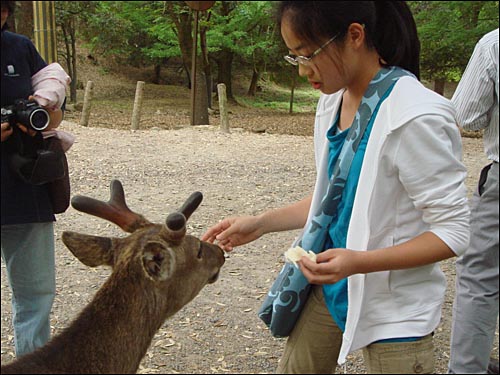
(28, 252)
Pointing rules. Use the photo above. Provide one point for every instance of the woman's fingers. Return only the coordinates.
(318, 273)
(212, 232)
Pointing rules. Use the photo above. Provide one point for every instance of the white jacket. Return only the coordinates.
(411, 181)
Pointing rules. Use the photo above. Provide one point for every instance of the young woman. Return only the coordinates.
(389, 201)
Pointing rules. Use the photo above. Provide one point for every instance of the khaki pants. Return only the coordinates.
(314, 346)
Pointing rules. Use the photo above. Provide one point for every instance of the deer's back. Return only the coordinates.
(26, 367)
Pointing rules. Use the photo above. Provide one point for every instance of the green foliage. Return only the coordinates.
(448, 32)
(248, 30)
(72, 11)
(133, 31)
(147, 33)
(142, 32)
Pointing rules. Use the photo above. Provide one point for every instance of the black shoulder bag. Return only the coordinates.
(42, 162)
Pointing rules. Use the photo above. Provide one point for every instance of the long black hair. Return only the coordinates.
(390, 27)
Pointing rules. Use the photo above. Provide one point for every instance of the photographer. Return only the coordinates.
(27, 240)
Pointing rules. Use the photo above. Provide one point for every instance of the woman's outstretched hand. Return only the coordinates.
(234, 231)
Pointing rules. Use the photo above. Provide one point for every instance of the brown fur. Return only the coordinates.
(156, 271)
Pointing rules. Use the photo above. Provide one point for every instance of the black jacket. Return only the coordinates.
(21, 203)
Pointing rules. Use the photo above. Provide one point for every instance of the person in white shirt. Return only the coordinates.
(389, 201)
(475, 309)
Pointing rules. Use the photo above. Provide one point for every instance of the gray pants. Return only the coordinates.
(475, 309)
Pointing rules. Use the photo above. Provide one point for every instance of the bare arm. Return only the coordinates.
(56, 117)
(236, 231)
(336, 264)
(290, 217)
(419, 251)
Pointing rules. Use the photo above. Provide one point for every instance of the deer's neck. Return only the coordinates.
(113, 333)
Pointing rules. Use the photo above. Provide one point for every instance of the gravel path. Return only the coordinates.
(238, 173)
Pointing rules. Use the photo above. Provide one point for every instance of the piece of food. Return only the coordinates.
(293, 255)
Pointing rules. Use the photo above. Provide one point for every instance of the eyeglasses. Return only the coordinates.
(306, 60)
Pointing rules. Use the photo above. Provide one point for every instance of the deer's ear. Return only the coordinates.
(158, 260)
(92, 251)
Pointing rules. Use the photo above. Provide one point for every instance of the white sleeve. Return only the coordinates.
(428, 160)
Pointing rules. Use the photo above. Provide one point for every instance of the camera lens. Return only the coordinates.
(39, 119)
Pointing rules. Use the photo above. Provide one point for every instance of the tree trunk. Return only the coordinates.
(225, 56)
(439, 86)
(74, 80)
(253, 83)
(67, 56)
(201, 108)
(188, 75)
(157, 72)
(471, 14)
(183, 24)
(292, 93)
(70, 58)
(225, 63)
(205, 66)
(206, 63)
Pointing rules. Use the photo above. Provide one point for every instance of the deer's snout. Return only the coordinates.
(218, 255)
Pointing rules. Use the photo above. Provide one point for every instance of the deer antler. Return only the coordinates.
(115, 210)
(176, 221)
(191, 204)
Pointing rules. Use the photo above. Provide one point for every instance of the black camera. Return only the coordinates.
(28, 113)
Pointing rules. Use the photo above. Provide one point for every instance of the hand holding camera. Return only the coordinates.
(27, 114)
(38, 161)
(6, 131)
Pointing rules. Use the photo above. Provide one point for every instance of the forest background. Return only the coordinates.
(239, 44)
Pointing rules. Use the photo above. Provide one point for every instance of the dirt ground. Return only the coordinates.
(246, 171)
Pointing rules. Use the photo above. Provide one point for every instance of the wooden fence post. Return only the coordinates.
(136, 114)
(87, 104)
(224, 119)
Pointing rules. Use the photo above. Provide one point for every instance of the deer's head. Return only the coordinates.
(160, 257)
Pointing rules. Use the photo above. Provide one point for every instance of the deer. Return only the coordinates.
(156, 270)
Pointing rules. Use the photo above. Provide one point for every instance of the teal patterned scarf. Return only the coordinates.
(290, 290)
